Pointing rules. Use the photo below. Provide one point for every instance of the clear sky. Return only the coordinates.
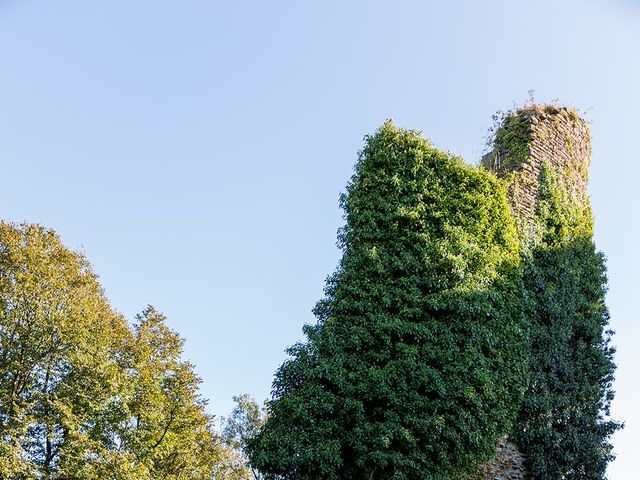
(195, 150)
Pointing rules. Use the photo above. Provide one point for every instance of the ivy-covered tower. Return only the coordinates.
(563, 429)
(466, 318)
(532, 139)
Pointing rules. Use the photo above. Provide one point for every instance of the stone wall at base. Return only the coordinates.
(508, 464)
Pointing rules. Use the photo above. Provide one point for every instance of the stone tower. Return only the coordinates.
(531, 138)
(530, 142)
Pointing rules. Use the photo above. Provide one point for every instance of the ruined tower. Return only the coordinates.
(541, 152)
(531, 140)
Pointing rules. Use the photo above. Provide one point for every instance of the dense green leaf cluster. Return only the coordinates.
(511, 142)
(563, 424)
(417, 362)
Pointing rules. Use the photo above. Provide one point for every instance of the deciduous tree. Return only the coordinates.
(82, 394)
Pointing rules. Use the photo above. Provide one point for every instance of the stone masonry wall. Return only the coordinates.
(508, 464)
(530, 137)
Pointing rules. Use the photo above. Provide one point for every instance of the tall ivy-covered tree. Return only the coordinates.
(415, 365)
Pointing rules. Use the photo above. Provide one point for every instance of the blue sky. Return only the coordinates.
(195, 150)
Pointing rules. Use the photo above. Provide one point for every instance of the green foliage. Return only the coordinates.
(416, 364)
(561, 217)
(244, 423)
(82, 395)
(165, 423)
(563, 426)
(511, 141)
(57, 364)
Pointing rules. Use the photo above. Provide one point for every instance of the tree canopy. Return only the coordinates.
(82, 393)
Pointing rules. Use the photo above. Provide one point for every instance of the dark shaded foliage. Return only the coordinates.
(563, 425)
